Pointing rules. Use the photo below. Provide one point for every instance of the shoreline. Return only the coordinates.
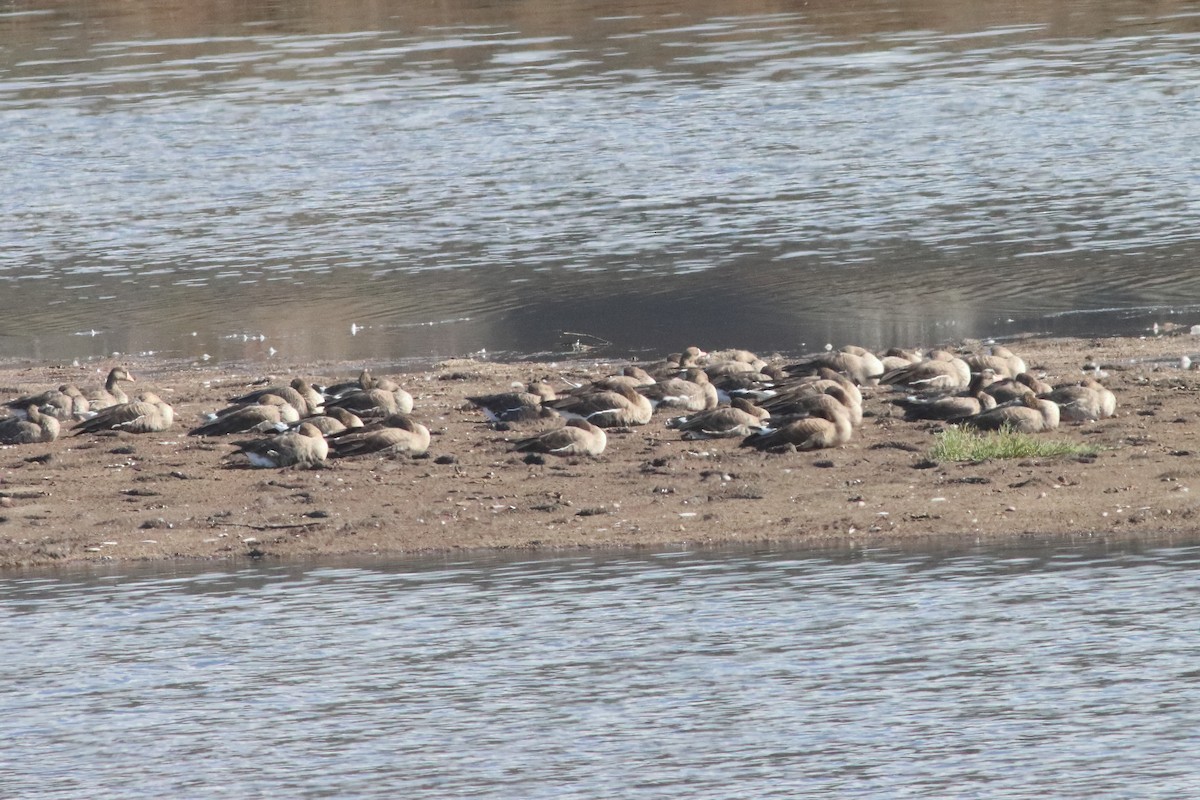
(128, 498)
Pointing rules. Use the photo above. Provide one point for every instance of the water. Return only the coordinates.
(393, 181)
(998, 673)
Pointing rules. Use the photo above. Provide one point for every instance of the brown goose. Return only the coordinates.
(1001, 366)
(35, 428)
(396, 434)
(365, 383)
(692, 392)
(1030, 415)
(734, 354)
(690, 357)
(618, 407)
(632, 376)
(112, 393)
(577, 438)
(1108, 400)
(271, 412)
(946, 408)
(897, 357)
(374, 402)
(147, 414)
(721, 369)
(801, 397)
(64, 403)
(827, 427)
(303, 447)
(740, 418)
(1035, 383)
(1089, 400)
(1007, 390)
(518, 406)
(938, 374)
(301, 394)
(871, 362)
(1015, 362)
(848, 364)
(335, 420)
(826, 374)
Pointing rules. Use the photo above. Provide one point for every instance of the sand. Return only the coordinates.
(128, 497)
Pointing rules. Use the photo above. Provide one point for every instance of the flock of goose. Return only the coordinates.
(807, 404)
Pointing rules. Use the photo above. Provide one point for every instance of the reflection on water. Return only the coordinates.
(772, 674)
(655, 173)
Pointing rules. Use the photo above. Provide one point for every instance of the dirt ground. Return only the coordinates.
(170, 496)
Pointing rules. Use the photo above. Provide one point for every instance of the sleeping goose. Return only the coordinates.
(303, 447)
(396, 434)
(271, 412)
(577, 438)
(147, 414)
(827, 427)
(34, 428)
(618, 407)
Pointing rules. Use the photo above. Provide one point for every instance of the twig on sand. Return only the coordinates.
(265, 527)
(582, 346)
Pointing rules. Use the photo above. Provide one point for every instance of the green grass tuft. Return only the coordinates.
(962, 444)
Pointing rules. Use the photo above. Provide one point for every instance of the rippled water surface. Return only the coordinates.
(1059, 672)
(393, 179)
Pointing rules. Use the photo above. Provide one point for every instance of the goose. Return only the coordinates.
(721, 369)
(897, 357)
(335, 420)
(1108, 400)
(396, 434)
(301, 394)
(750, 385)
(1007, 390)
(827, 427)
(34, 428)
(802, 399)
(871, 362)
(577, 438)
(1029, 415)
(374, 402)
(271, 412)
(365, 383)
(516, 406)
(675, 362)
(112, 393)
(1035, 383)
(1083, 402)
(692, 392)
(848, 364)
(64, 403)
(1015, 362)
(147, 414)
(303, 447)
(937, 374)
(1003, 367)
(733, 354)
(618, 407)
(948, 409)
(740, 418)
